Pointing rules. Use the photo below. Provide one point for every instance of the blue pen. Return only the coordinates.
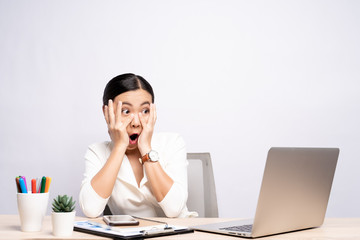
(22, 185)
(25, 183)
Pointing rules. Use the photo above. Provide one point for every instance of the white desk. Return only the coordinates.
(333, 228)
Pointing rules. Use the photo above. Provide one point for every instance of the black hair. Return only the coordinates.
(124, 83)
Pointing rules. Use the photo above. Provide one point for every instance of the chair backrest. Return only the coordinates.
(201, 185)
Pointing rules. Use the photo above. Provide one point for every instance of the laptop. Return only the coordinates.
(294, 193)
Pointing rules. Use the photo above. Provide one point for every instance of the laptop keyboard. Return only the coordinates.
(242, 228)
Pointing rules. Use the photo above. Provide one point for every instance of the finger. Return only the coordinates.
(106, 113)
(155, 114)
(118, 113)
(142, 119)
(111, 113)
(152, 114)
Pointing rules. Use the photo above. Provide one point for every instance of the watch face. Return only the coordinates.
(154, 156)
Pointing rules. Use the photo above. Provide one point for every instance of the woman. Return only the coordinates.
(139, 172)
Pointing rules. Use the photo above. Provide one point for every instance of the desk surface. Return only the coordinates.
(333, 228)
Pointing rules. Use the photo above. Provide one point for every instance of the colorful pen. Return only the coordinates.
(43, 183)
(38, 184)
(33, 185)
(47, 186)
(25, 183)
(22, 185)
(18, 184)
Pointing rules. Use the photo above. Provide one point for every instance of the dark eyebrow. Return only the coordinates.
(144, 103)
(127, 103)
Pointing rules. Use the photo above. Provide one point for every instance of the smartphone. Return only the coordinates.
(120, 220)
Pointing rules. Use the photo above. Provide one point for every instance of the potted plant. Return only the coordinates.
(63, 216)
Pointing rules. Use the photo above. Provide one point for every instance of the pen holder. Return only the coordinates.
(32, 209)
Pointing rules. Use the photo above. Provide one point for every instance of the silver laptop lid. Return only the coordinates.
(295, 189)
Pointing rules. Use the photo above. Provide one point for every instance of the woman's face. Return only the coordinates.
(134, 102)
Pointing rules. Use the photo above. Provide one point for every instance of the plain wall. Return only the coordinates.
(234, 78)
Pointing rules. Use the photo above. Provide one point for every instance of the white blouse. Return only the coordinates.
(127, 197)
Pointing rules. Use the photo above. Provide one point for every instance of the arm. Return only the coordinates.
(93, 198)
(100, 177)
(175, 165)
(91, 203)
(159, 180)
(103, 182)
(168, 182)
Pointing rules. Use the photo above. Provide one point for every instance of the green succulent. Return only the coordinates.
(63, 204)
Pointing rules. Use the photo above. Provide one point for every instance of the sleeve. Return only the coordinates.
(91, 203)
(175, 165)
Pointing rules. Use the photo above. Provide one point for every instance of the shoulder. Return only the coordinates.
(169, 145)
(100, 146)
(167, 138)
(100, 149)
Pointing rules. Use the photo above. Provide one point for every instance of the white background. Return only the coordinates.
(232, 77)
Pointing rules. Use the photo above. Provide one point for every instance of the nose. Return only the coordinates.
(135, 122)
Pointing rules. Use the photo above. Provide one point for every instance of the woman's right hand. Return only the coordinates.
(117, 124)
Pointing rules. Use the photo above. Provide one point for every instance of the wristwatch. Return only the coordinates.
(152, 156)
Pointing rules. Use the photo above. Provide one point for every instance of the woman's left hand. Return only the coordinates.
(144, 143)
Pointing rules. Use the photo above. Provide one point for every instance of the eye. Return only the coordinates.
(125, 111)
(145, 111)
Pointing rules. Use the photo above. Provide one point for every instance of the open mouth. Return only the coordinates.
(133, 138)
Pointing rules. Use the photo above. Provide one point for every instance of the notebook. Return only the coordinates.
(294, 193)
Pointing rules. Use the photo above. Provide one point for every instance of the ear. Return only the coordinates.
(103, 109)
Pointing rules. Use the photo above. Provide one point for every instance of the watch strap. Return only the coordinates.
(144, 158)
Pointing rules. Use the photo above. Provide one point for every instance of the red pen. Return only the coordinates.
(33, 185)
